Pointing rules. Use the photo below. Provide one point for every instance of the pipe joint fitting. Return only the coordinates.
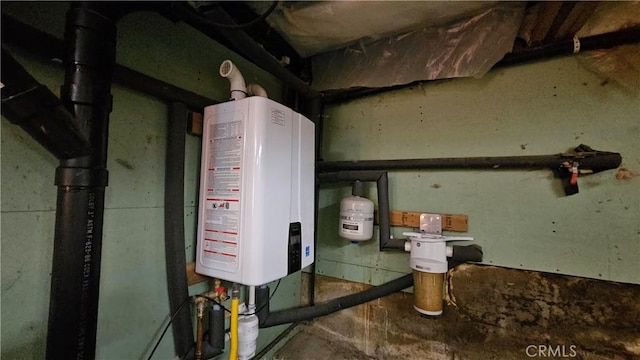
(238, 88)
(81, 177)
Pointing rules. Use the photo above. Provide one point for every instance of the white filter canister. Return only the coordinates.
(248, 330)
(356, 218)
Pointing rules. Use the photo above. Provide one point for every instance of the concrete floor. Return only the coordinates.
(389, 328)
(312, 343)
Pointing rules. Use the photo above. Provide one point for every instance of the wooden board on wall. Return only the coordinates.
(193, 277)
(450, 222)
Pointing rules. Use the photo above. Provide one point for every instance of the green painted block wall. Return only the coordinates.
(520, 218)
(133, 296)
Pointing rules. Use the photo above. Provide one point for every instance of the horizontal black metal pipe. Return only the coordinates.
(34, 108)
(596, 162)
(467, 253)
(161, 90)
(49, 47)
(245, 45)
(269, 319)
(594, 42)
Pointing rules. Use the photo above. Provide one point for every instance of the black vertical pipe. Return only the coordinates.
(216, 327)
(315, 112)
(90, 37)
(175, 254)
(262, 303)
(214, 346)
(382, 185)
(386, 242)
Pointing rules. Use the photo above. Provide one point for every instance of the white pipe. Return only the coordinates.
(252, 299)
(236, 81)
(256, 90)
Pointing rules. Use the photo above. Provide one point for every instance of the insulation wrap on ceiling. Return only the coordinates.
(465, 48)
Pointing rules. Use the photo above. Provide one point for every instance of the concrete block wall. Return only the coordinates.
(491, 313)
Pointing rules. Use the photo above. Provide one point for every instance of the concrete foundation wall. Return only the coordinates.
(498, 313)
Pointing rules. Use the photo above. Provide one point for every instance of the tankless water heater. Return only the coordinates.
(256, 209)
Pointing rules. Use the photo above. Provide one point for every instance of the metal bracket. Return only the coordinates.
(431, 224)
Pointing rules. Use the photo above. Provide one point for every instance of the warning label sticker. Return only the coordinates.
(222, 205)
(352, 227)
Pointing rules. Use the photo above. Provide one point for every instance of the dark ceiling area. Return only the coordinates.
(310, 37)
(345, 49)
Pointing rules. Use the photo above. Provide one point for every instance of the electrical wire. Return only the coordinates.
(247, 24)
(155, 347)
(185, 301)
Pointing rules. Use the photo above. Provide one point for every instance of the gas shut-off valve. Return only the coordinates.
(428, 259)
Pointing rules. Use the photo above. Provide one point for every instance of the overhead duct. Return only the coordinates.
(314, 27)
(467, 48)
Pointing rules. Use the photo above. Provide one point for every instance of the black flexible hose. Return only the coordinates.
(467, 253)
(268, 319)
(216, 327)
(175, 255)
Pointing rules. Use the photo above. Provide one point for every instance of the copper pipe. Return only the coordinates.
(200, 330)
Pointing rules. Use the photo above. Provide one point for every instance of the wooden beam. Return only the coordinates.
(193, 277)
(194, 124)
(411, 219)
(552, 21)
(544, 19)
(573, 21)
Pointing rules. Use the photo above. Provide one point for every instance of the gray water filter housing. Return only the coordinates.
(256, 202)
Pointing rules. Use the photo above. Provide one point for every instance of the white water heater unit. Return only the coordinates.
(256, 210)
